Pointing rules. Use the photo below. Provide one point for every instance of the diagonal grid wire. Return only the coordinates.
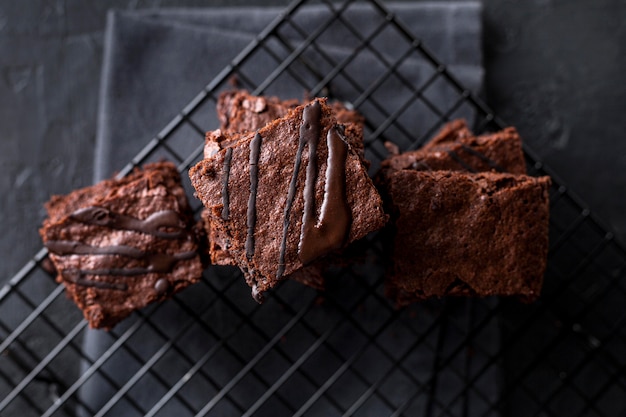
(353, 83)
(562, 191)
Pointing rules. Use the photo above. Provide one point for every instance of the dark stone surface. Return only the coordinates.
(555, 69)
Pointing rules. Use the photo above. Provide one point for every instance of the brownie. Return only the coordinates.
(440, 192)
(280, 208)
(218, 242)
(218, 251)
(456, 148)
(239, 111)
(453, 131)
(459, 233)
(122, 244)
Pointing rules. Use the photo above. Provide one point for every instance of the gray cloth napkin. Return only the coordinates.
(157, 61)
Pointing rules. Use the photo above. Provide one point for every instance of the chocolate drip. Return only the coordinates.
(67, 247)
(335, 217)
(225, 177)
(162, 286)
(75, 276)
(155, 262)
(255, 150)
(153, 225)
(309, 130)
(160, 262)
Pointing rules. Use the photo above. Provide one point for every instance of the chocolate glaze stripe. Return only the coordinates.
(225, 178)
(76, 277)
(493, 164)
(255, 151)
(69, 247)
(157, 262)
(308, 218)
(153, 225)
(124, 272)
(160, 263)
(335, 217)
(310, 128)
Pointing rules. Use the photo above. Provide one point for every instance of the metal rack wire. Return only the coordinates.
(348, 352)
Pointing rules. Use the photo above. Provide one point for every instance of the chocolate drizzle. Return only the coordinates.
(331, 231)
(309, 131)
(75, 276)
(68, 247)
(255, 150)
(162, 286)
(157, 262)
(318, 237)
(225, 177)
(154, 262)
(158, 224)
(163, 224)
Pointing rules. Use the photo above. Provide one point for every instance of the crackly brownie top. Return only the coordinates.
(456, 148)
(121, 244)
(288, 194)
(490, 226)
(239, 111)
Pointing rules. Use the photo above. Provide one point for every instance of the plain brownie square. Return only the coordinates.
(467, 234)
(436, 193)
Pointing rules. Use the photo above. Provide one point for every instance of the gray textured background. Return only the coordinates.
(555, 69)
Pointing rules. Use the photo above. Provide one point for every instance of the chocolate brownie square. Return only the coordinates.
(287, 194)
(466, 234)
(238, 112)
(438, 181)
(219, 240)
(122, 244)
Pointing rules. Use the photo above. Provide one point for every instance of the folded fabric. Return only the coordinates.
(156, 61)
(146, 51)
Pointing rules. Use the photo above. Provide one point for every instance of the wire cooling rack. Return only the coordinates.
(348, 351)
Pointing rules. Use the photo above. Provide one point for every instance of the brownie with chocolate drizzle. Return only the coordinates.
(465, 219)
(239, 112)
(287, 194)
(122, 244)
